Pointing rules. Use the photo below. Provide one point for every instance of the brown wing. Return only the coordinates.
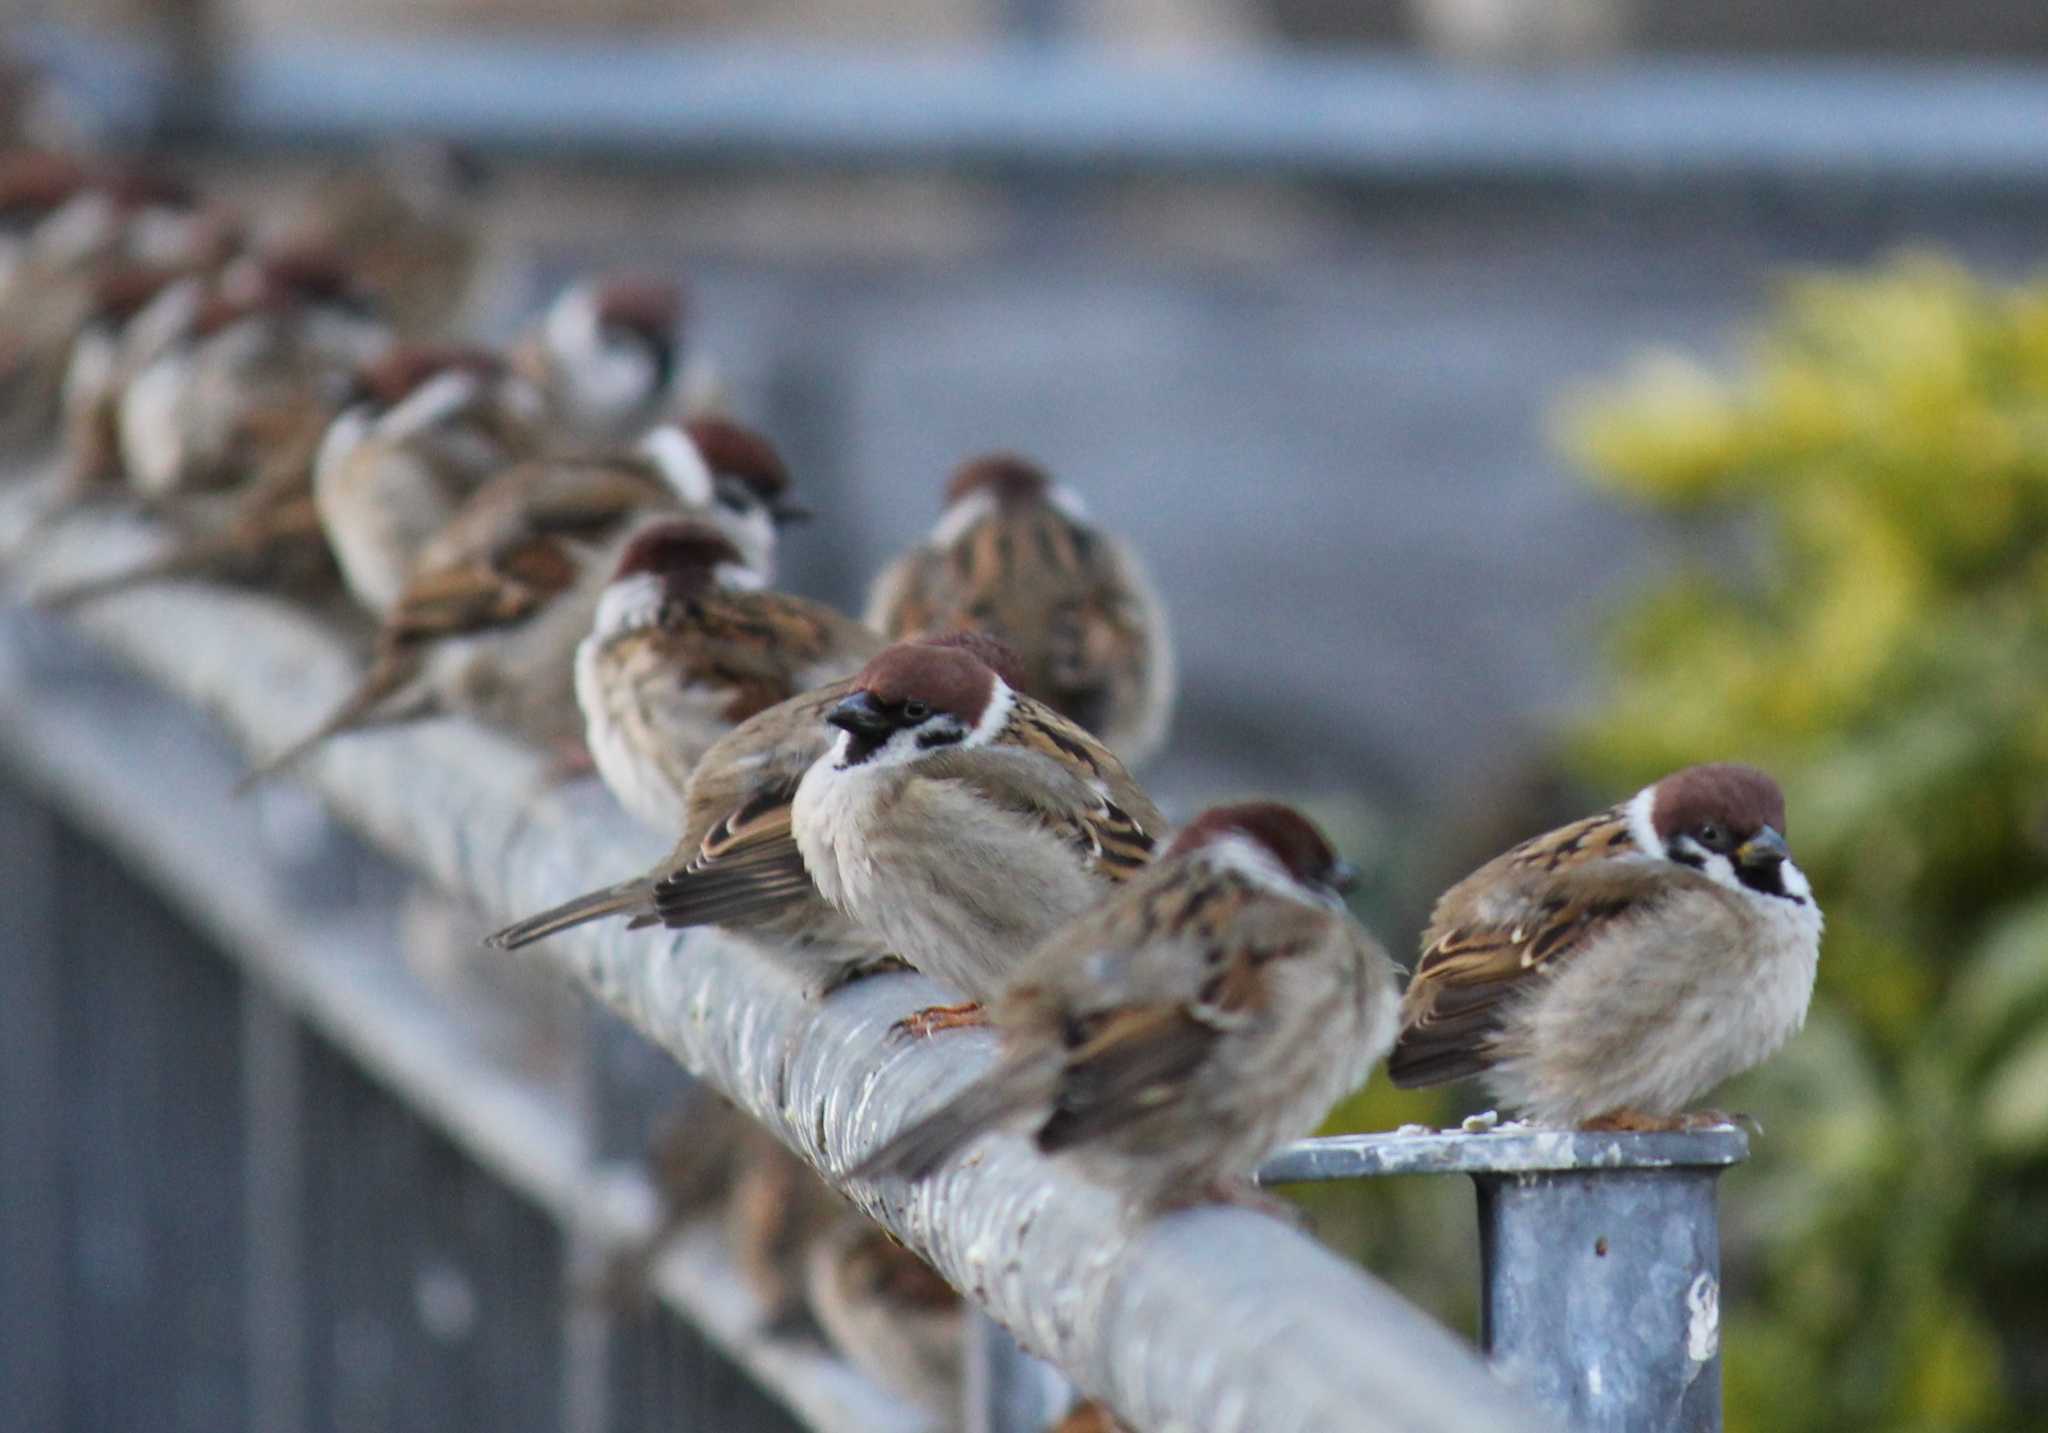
(1516, 920)
(512, 547)
(761, 647)
(1056, 773)
(748, 866)
(1150, 983)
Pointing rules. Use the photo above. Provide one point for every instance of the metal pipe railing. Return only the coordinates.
(1215, 1318)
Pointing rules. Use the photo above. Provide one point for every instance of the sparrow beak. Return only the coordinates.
(783, 514)
(1765, 848)
(862, 715)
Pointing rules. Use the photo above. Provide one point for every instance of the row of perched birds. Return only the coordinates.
(570, 542)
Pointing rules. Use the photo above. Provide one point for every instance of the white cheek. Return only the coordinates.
(681, 466)
(628, 604)
(961, 517)
(1721, 871)
(752, 532)
(1796, 884)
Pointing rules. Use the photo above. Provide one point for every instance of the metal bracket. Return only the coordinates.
(1600, 1260)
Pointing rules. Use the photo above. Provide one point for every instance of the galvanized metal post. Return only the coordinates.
(1600, 1260)
(1006, 1389)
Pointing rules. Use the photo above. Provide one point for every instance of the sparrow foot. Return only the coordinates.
(1691, 1122)
(846, 975)
(934, 1018)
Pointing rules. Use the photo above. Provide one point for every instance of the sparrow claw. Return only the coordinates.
(933, 1018)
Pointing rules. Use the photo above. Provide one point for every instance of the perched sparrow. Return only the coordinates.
(1215, 1007)
(47, 279)
(687, 646)
(737, 803)
(1015, 556)
(888, 1314)
(489, 621)
(270, 536)
(271, 330)
(406, 223)
(608, 353)
(956, 821)
(136, 312)
(1612, 970)
(775, 1210)
(423, 428)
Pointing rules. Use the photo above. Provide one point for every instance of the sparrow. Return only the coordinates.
(1609, 972)
(136, 312)
(47, 276)
(407, 225)
(1088, 1416)
(271, 329)
(687, 645)
(1215, 1007)
(888, 1313)
(609, 355)
(488, 623)
(737, 802)
(268, 538)
(421, 429)
(774, 1211)
(1014, 555)
(954, 820)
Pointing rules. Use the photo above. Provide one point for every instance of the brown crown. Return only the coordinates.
(735, 451)
(1007, 476)
(648, 306)
(121, 293)
(403, 367)
(1290, 837)
(991, 651)
(1741, 799)
(946, 679)
(33, 181)
(683, 553)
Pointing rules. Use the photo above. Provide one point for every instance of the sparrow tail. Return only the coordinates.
(1000, 1097)
(371, 704)
(628, 896)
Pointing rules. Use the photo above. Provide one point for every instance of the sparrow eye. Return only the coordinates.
(916, 711)
(1711, 835)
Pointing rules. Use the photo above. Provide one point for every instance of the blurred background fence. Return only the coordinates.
(1298, 317)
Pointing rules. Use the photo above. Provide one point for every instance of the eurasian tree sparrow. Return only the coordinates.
(489, 620)
(1611, 971)
(422, 430)
(1215, 1007)
(954, 820)
(272, 329)
(687, 645)
(1014, 555)
(609, 355)
(737, 803)
(888, 1313)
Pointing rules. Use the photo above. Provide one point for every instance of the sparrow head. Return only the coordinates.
(404, 368)
(1276, 836)
(917, 698)
(670, 560)
(611, 346)
(1000, 482)
(991, 651)
(732, 473)
(33, 182)
(1726, 821)
(646, 313)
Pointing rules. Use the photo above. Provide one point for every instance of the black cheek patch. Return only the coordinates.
(860, 745)
(943, 736)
